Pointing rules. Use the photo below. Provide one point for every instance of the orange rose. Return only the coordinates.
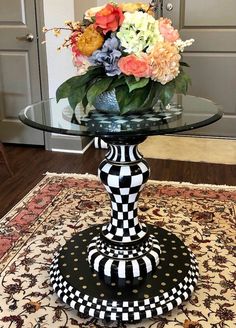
(89, 41)
(109, 18)
(136, 66)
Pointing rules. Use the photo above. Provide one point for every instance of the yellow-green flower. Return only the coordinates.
(139, 31)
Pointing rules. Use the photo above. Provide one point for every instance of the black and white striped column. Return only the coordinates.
(124, 249)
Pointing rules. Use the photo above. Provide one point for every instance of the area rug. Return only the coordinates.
(192, 149)
(63, 205)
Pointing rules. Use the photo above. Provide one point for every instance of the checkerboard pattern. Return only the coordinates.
(126, 311)
(123, 182)
(124, 249)
(103, 122)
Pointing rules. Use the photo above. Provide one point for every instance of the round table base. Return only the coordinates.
(81, 288)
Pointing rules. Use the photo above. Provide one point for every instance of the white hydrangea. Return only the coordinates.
(139, 31)
(91, 12)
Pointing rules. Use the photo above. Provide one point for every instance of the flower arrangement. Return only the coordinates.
(122, 47)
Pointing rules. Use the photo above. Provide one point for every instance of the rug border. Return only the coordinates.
(94, 177)
(24, 197)
(44, 177)
(182, 183)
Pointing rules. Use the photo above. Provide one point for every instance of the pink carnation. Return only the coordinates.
(82, 63)
(167, 30)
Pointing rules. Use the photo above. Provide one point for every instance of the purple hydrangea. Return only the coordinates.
(108, 56)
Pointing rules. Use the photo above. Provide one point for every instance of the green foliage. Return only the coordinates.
(131, 101)
(75, 88)
(133, 95)
(134, 83)
(184, 64)
(98, 87)
(181, 82)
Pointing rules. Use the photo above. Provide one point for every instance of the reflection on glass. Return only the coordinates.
(183, 113)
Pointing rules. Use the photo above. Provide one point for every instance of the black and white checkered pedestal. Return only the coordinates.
(172, 281)
(124, 270)
(125, 249)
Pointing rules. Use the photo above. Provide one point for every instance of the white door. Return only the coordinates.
(212, 57)
(19, 70)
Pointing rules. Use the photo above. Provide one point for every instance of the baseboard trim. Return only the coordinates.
(73, 151)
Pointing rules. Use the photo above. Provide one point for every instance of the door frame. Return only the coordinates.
(42, 56)
(36, 74)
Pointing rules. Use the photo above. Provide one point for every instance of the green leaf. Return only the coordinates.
(76, 96)
(63, 91)
(116, 82)
(97, 88)
(133, 83)
(67, 88)
(184, 64)
(152, 95)
(84, 102)
(131, 101)
(122, 93)
(181, 86)
(181, 82)
(167, 92)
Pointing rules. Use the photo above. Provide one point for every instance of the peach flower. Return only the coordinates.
(132, 7)
(164, 61)
(167, 30)
(134, 65)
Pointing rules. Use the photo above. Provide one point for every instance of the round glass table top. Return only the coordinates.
(183, 114)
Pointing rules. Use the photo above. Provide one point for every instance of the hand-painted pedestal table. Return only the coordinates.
(123, 270)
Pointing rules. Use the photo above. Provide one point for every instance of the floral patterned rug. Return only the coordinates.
(62, 205)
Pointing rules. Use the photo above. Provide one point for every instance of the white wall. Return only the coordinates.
(59, 63)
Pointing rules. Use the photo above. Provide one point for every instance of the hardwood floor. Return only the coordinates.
(30, 163)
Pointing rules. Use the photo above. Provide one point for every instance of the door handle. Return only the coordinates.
(28, 37)
(169, 6)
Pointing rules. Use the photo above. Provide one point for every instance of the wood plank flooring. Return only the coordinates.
(30, 163)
